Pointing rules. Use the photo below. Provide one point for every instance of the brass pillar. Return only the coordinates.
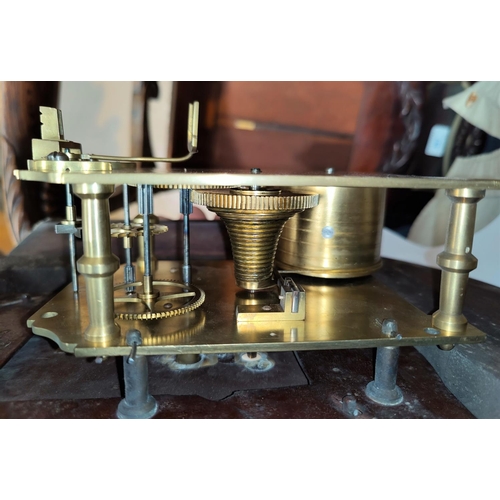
(98, 264)
(457, 261)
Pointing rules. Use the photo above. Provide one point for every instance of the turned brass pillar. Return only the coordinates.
(98, 264)
(457, 261)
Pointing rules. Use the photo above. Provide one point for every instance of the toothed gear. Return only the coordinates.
(246, 200)
(186, 186)
(193, 303)
(119, 230)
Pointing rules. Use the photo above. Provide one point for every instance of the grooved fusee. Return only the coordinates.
(254, 223)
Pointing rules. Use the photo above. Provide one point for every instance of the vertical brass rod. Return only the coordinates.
(457, 261)
(98, 264)
(126, 207)
(129, 269)
(186, 209)
(72, 256)
(71, 237)
(147, 233)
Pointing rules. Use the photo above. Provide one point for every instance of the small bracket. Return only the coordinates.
(52, 132)
(292, 305)
(69, 227)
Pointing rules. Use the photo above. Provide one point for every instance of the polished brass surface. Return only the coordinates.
(457, 261)
(191, 179)
(51, 122)
(254, 220)
(339, 238)
(247, 199)
(291, 306)
(97, 264)
(162, 299)
(52, 136)
(184, 186)
(339, 315)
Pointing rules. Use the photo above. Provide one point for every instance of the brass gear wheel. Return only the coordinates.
(185, 186)
(260, 200)
(119, 230)
(195, 296)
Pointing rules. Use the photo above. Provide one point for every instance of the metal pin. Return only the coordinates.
(72, 245)
(133, 354)
(129, 269)
(134, 339)
(186, 209)
(147, 206)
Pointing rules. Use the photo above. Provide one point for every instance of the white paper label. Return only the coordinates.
(436, 144)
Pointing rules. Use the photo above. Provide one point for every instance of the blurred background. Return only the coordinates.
(297, 127)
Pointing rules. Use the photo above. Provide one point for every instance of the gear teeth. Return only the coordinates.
(229, 201)
(165, 314)
(186, 186)
(118, 230)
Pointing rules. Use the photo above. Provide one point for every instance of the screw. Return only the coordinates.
(255, 171)
(390, 327)
(266, 308)
(57, 156)
(350, 405)
(432, 331)
(133, 353)
(330, 170)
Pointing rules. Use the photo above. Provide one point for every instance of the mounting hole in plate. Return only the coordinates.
(50, 314)
(432, 331)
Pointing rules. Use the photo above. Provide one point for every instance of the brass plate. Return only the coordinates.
(339, 315)
(169, 176)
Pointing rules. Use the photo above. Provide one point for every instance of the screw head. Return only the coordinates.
(255, 171)
(390, 327)
(57, 156)
(134, 337)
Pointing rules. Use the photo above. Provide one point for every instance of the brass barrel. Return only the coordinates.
(339, 238)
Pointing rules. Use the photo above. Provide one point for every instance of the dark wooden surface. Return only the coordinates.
(332, 376)
(350, 126)
(28, 202)
(15, 309)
